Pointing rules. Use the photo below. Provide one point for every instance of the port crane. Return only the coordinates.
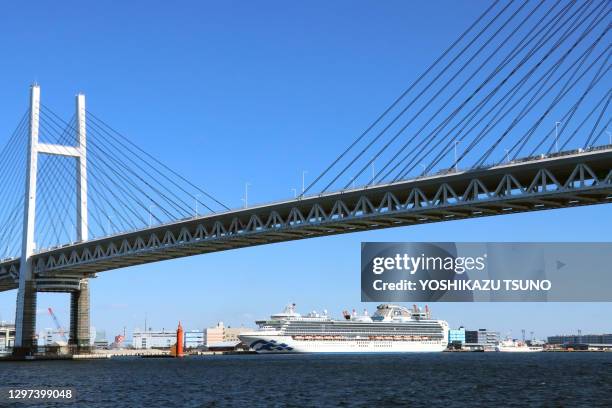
(60, 330)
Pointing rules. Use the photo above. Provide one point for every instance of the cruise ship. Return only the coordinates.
(391, 329)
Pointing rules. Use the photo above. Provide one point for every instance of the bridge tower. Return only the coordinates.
(25, 319)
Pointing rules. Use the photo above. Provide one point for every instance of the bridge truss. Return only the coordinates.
(566, 180)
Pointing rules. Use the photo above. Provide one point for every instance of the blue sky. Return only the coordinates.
(234, 92)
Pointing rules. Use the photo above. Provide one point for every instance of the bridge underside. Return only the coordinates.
(568, 180)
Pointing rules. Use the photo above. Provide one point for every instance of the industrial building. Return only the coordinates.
(51, 337)
(601, 340)
(153, 339)
(48, 337)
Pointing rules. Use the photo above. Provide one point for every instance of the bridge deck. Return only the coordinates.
(557, 181)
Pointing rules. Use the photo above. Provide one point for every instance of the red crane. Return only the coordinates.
(58, 325)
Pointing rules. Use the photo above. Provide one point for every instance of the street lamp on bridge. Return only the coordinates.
(456, 163)
(304, 180)
(246, 195)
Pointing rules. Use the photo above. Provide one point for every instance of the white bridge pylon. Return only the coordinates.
(25, 319)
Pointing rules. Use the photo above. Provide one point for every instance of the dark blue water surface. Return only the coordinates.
(415, 380)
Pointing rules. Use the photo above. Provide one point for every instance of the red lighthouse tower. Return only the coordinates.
(179, 341)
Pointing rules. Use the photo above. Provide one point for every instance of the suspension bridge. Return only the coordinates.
(511, 117)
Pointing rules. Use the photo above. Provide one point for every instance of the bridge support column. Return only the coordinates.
(79, 319)
(26, 319)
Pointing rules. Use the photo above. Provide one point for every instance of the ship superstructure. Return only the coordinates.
(513, 346)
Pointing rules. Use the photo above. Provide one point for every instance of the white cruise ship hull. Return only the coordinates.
(265, 344)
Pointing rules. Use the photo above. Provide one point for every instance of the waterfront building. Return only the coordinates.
(481, 339)
(456, 336)
(214, 334)
(45, 337)
(471, 336)
(588, 339)
(51, 337)
(7, 336)
(100, 341)
(194, 338)
(231, 333)
(153, 339)
(220, 334)
(92, 335)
